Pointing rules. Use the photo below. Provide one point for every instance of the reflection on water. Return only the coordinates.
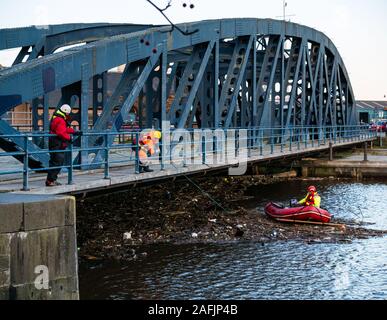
(248, 270)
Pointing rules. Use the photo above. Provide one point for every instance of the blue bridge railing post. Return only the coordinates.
(161, 157)
(250, 141)
(236, 143)
(306, 138)
(137, 148)
(188, 147)
(298, 139)
(25, 165)
(325, 135)
(319, 136)
(107, 159)
(255, 138)
(313, 135)
(261, 142)
(70, 164)
(204, 143)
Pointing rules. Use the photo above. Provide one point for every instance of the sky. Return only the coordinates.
(357, 27)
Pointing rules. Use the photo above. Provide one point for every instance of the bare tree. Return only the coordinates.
(174, 26)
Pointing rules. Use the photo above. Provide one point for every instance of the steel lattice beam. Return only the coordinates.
(233, 72)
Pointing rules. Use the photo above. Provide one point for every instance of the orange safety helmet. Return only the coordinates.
(312, 189)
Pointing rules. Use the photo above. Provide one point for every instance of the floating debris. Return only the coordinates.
(178, 213)
(128, 236)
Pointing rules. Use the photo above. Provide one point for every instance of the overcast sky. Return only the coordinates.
(357, 27)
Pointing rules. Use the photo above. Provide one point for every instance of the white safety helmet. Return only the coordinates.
(66, 109)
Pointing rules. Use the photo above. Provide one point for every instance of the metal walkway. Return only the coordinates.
(121, 173)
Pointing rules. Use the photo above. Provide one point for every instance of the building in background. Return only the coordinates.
(22, 119)
(21, 116)
(372, 111)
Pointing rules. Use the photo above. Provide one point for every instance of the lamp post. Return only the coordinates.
(284, 15)
(285, 4)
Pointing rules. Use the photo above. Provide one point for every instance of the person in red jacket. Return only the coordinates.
(60, 127)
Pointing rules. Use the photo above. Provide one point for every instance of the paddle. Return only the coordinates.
(336, 225)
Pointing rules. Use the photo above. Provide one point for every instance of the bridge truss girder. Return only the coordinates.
(231, 73)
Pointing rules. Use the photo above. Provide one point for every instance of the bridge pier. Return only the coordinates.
(330, 151)
(38, 248)
(365, 151)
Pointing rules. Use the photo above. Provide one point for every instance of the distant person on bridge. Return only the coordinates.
(147, 148)
(60, 127)
(312, 199)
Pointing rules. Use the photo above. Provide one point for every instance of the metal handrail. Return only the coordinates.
(265, 140)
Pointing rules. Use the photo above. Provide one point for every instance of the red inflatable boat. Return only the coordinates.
(298, 213)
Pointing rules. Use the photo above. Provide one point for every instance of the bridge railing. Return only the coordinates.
(179, 148)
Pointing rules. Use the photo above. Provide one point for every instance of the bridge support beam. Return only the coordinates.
(243, 73)
(16, 143)
(84, 111)
(99, 94)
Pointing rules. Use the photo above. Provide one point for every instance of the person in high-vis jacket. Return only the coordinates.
(147, 149)
(61, 128)
(312, 199)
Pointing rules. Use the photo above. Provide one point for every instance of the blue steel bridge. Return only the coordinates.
(281, 86)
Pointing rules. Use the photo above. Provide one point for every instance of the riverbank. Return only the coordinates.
(204, 210)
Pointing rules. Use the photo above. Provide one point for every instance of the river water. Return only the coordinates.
(250, 270)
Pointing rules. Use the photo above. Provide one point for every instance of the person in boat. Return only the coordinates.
(312, 199)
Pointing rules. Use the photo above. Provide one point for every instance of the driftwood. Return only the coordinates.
(336, 225)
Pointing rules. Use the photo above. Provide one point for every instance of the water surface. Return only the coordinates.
(249, 270)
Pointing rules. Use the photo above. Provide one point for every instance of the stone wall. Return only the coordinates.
(38, 248)
(343, 169)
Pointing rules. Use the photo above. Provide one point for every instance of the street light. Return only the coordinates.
(284, 15)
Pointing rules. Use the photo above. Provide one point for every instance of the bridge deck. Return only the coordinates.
(121, 176)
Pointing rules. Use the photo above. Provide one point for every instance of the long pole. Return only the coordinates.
(342, 226)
